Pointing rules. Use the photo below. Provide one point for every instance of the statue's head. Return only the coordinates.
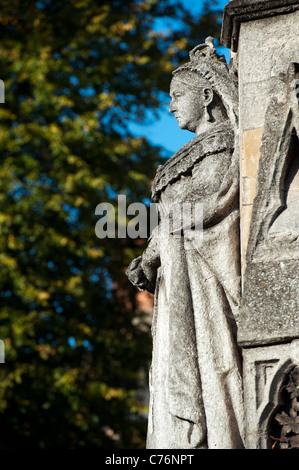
(199, 90)
(194, 102)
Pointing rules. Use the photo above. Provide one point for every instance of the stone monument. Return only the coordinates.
(225, 365)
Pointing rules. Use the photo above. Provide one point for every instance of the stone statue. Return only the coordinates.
(195, 378)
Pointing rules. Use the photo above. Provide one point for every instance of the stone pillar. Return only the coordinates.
(264, 42)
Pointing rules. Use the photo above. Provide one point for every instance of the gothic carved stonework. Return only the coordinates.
(278, 187)
(263, 374)
(289, 438)
(264, 42)
(271, 277)
(266, 375)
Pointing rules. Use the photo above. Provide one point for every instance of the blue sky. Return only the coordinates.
(165, 131)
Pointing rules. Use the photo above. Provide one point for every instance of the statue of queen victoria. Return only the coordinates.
(195, 378)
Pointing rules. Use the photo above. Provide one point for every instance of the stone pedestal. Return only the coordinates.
(263, 38)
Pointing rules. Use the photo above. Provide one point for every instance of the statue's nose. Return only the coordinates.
(171, 107)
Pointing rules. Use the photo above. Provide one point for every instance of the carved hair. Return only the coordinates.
(191, 79)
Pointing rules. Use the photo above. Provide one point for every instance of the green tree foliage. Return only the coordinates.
(77, 72)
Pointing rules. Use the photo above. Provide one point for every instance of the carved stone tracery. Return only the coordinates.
(289, 420)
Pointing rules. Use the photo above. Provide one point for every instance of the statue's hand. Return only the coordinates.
(137, 277)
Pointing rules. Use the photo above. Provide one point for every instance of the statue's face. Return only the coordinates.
(186, 104)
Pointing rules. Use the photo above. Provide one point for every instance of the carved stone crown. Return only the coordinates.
(205, 61)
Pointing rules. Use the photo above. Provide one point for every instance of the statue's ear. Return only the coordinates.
(208, 95)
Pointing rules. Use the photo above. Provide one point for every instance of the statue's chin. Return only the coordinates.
(182, 125)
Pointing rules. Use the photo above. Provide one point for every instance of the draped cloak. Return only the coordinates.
(195, 377)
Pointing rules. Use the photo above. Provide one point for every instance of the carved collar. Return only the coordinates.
(182, 162)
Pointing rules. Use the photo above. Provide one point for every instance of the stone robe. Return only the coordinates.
(195, 378)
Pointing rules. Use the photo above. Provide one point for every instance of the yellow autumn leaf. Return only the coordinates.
(95, 253)
(43, 295)
(85, 328)
(8, 261)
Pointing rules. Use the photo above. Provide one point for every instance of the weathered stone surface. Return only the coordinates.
(238, 12)
(250, 152)
(271, 276)
(270, 303)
